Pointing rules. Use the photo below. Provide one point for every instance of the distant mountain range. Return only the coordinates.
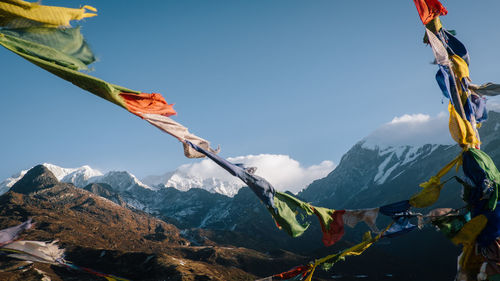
(374, 172)
(110, 238)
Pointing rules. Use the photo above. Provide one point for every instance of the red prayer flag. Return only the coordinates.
(335, 230)
(429, 9)
(147, 103)
(292, 272)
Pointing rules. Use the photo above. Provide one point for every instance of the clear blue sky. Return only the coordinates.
(302, 78)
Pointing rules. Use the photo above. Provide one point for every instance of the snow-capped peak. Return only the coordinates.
(119, 180)
(283, 172)
(81, 177)
(414, 130)
(183, 181)
(9, 182)
(77, 176)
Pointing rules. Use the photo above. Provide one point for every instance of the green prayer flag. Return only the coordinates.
(37, 53)
(287, 208)
(486, 163)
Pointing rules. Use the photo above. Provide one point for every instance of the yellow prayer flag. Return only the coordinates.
(19, 13)
(461, 130)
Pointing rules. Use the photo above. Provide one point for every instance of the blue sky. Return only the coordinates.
(306, 79)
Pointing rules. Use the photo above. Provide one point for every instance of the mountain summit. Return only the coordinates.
(110, 238)
(38, 178)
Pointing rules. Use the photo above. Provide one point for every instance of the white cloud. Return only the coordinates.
(413, 130)
(283, 172)
(493, 103)
(410, 118)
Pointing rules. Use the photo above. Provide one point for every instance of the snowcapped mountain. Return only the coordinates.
(9, 182)
(183, 181)
(119, 180)
(389, 164)
(77, 176)
(283, 172)
(82, 176)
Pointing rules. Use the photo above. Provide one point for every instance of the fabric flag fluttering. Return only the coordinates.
(63, 52)
(63, 46)
(10, 234)
(180, 132)
(19, 13)
(39, 251)
(467, 109)
(369, 216)
(118, 95)
(35, 251)
(487, 89)
(429, 9)
(33, 31)
(284, 207)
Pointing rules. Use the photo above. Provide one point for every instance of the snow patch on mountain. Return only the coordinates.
(283, 172)
(119, 180)
(405, 139)
(72, 175)
(9, 182)
(184, 181)
(413, 130)
(77, 176)
(81, 177)
(399, 157)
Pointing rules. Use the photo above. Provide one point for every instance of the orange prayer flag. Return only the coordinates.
(429, 9)
(147, 104)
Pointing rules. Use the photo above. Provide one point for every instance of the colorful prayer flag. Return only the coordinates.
(429, 9)
(18, 13)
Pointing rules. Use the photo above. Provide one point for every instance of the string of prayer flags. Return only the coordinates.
(401, 225)
(262, 188)
(138, 104)
(467, 109)
(284, 207)
(32, 31)
(63, 52)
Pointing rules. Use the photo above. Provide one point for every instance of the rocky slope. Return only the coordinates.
(107, 237)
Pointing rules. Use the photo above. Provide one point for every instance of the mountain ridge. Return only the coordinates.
(92, 230)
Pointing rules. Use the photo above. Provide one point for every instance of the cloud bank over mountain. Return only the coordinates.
(411, 130)
(283, 172)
